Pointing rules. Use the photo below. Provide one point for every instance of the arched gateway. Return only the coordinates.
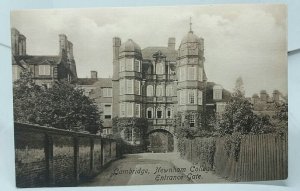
(161, 140)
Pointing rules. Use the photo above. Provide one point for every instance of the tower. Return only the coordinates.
(127, 77)
(18, 43)
(115, 77)
(130, 76)
(191, 75)
(62, 44)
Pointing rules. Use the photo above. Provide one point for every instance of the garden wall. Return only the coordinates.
(52, 157)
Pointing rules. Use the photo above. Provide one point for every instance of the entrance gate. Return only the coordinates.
(160, 141)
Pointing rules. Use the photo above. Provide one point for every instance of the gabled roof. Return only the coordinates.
(226, 95)
(37, 60)
(170, 53)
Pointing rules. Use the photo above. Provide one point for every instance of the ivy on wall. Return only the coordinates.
(139, 127)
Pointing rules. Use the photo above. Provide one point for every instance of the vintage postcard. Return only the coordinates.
(150, 95)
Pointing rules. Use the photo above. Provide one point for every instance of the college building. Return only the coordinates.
(153, 83)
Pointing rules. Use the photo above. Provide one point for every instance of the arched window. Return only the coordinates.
(169, 113)
(169, 90)
(149, 112)
(149, 90)
(159, 90)
(159, 113)
(159, 68)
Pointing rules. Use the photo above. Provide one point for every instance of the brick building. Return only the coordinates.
(266, 104)
(45, 69)
(153, 83)
(157, 82)
(100, 90)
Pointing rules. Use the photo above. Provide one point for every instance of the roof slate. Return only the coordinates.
(38, 60)
(97, 82)
(226, 95)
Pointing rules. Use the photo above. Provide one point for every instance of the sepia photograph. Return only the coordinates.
(150, 95)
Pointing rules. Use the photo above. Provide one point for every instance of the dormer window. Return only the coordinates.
(217, 92)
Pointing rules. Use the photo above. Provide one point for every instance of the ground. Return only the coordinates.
(152, 168)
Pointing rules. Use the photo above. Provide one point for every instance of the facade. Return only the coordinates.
(45, 69)
(100, 90)
(266, 104)
(155, 83)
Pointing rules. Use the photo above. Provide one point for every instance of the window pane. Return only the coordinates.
(200, 74)
(169, 91)
(129, 64)
(159, 114)
(192, 120)
(122, 87)
(182, 97)
(122, 110)
(149, 90)
(191, 71)
(199, 97)
(129, 109)
(107, 110)
(122, 65)
(137, 110)
(129, 86)
(149, 114)
(159, 90)
(137, 67)
(191, 97)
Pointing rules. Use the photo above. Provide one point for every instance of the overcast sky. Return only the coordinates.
(239, 40)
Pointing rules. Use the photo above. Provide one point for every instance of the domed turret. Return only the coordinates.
(130, 46)
(190, 37)
(191, 44)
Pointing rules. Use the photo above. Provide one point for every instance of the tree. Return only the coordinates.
(238, 115)
(239, 86)
(61, 106)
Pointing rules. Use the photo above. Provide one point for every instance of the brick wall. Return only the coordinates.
(51, 157)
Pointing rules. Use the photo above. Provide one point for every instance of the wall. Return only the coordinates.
(51, 157)
(261, 157)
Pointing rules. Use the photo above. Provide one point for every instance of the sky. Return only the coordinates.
(248, 41)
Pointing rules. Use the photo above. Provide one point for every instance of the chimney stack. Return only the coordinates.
(276, 95)
(70, 50)
(94, 74)
(263, 95)
(171, 43)
(116, 50)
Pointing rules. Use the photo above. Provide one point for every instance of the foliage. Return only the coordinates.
(139, 127)
(120, 123)
(232, 145)
(239, 115)
(183, 128)
(61, 106)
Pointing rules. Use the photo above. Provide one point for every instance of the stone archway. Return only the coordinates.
(160, 141)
